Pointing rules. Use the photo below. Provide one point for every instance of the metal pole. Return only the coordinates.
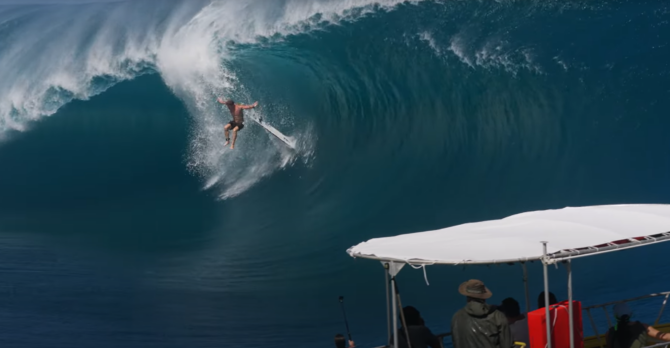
(402, 315)
(595, 328)
(607, 315)
(344, 315)
(572, 324)
(662, 308)
(388, 310)
(546, 295)
(395, 316)
(525, 285)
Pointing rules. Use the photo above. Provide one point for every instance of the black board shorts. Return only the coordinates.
(234, 124)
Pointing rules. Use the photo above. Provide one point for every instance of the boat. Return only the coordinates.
(552, 237)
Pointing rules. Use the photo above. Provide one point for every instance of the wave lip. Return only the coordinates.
(52, 55)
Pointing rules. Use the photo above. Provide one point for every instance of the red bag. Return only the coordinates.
(560, 332)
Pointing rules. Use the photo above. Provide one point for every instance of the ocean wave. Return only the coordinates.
(53, 55)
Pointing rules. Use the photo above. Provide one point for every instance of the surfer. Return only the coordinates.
(237, 124)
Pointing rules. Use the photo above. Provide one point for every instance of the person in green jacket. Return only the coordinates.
(479, 324)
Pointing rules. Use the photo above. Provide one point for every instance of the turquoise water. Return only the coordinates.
(125, 222)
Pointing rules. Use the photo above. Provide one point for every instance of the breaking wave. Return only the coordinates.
(56, 52)
(53, 54)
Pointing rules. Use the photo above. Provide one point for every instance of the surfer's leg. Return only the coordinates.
(225, 131)
(232, 146)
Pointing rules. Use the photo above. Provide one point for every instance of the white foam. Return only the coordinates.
(492, 53)
(457, 47)
(560, 62)
(428, 38)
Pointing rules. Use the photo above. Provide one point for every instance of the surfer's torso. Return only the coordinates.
(237, 112)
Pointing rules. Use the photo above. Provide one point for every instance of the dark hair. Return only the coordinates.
(229, 102)
(540, 299)
(623, 335)
(412, 316)
(510, 307)
(340, 342)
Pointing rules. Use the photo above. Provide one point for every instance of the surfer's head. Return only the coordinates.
(229, 102)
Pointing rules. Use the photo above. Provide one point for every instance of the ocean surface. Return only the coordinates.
(125, 222)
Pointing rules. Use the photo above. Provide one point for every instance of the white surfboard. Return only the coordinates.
(289, 141)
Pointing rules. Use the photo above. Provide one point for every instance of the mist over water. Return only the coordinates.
(124, 221)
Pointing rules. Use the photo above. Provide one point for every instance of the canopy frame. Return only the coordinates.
(393, 265)
(563, 255)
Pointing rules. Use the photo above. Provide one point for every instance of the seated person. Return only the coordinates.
(518, 322)
(540, 299)
(419, 335)
(626, 334)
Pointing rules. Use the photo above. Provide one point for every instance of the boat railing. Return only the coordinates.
(604, 306)
(441, 338)
(446, 334)
(662, 344)
(516, 344)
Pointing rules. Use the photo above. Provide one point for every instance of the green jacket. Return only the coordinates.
(477, 325)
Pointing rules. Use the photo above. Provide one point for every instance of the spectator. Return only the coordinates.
(540, 300)
(478, 324)
(626, 334)
(340, 342)
(420, 336)
(518, 323)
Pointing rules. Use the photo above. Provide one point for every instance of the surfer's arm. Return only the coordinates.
(249, 106)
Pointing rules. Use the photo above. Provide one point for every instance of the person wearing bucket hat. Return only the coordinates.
(627, 334)
(478, 324)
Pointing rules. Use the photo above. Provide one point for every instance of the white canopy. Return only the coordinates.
(569, 233)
